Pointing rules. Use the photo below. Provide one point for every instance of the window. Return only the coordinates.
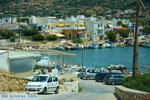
(93, 71)
(55, 79)
(50, 79)
(88, 71)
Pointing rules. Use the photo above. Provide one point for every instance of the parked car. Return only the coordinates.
(113, 79)
(88, 74)
(100, 76)
(43, 84)
(115, 72)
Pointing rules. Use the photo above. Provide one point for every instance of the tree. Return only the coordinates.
(119, 23)
(51, 37)
(111, 35)
(77, 40)
(124, 33)
(38, 37)
(125, 25)
(146, 30)
(30, 32)
(7, 34)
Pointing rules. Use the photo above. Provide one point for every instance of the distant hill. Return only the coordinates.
(65, 7)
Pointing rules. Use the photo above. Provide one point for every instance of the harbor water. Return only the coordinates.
(108, 56)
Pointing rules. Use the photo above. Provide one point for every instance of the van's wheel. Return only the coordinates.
(44, 90)
(113, 83)
(81, 77)
(57, 90)
(87, 78)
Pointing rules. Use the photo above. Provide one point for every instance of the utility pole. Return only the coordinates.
(135, 51)
(82, 57)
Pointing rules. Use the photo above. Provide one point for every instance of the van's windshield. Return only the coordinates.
(39, 79)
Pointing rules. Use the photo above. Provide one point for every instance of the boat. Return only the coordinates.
(101, 46)
(59, 48)
(107, 45)
(94, 46)
(147, 45)
(79, 47)
(45, 61)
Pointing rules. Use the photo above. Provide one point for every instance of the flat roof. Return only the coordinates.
(2, 51)
(41, 51)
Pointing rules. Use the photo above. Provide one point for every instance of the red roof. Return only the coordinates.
(119, 28)
(116, 15)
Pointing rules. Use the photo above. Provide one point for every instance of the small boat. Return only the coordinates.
(59, 48)
(147, 45)
(101, 46)
(45, 61)
(94, 46)
(106, 45)
(79, 47)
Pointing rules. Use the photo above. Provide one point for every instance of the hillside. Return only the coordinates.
(64, 7)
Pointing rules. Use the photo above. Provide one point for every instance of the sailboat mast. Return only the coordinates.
(135, 51)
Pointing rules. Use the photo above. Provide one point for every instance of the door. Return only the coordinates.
(50, 85)
(55, 82)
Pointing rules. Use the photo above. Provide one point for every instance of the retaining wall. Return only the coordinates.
(124, 93)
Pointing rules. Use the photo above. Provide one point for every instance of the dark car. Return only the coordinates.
(100, 76)
(113, 79)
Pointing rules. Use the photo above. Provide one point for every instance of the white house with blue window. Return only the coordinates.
(96, 27)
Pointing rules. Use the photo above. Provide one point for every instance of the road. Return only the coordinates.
(91, 91)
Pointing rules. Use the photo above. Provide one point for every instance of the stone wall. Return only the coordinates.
(9, 83)
(124, 93)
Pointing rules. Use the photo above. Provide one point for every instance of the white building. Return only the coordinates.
(42, 24)
(96, 27)
(17, 61)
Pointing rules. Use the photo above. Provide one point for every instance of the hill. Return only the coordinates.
(65, 7)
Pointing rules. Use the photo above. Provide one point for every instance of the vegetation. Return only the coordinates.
(38, 37)
(37, 67)
(80, 89)
(30, 32)
(119, 23)
(141, 82)
(111, 35)
(125, 25)
(146, 30)
(124, 33)
(7, 34)
(51, 37)
(65, 7)
(77, 40)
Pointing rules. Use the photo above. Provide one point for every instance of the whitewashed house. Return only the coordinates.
(96, 27)
(42, 24)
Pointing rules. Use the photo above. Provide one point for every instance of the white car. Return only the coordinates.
(43, 84)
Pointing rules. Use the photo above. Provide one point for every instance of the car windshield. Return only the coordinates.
(39, 79)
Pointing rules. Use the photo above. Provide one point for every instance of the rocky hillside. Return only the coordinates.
(64, 7)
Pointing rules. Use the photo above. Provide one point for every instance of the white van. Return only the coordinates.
(43, 84)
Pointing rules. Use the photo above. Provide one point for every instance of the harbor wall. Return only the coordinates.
(124, 93)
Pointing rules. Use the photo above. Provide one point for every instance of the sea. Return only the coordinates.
(110, 56)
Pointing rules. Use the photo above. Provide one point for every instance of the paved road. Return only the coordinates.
(91, 91)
